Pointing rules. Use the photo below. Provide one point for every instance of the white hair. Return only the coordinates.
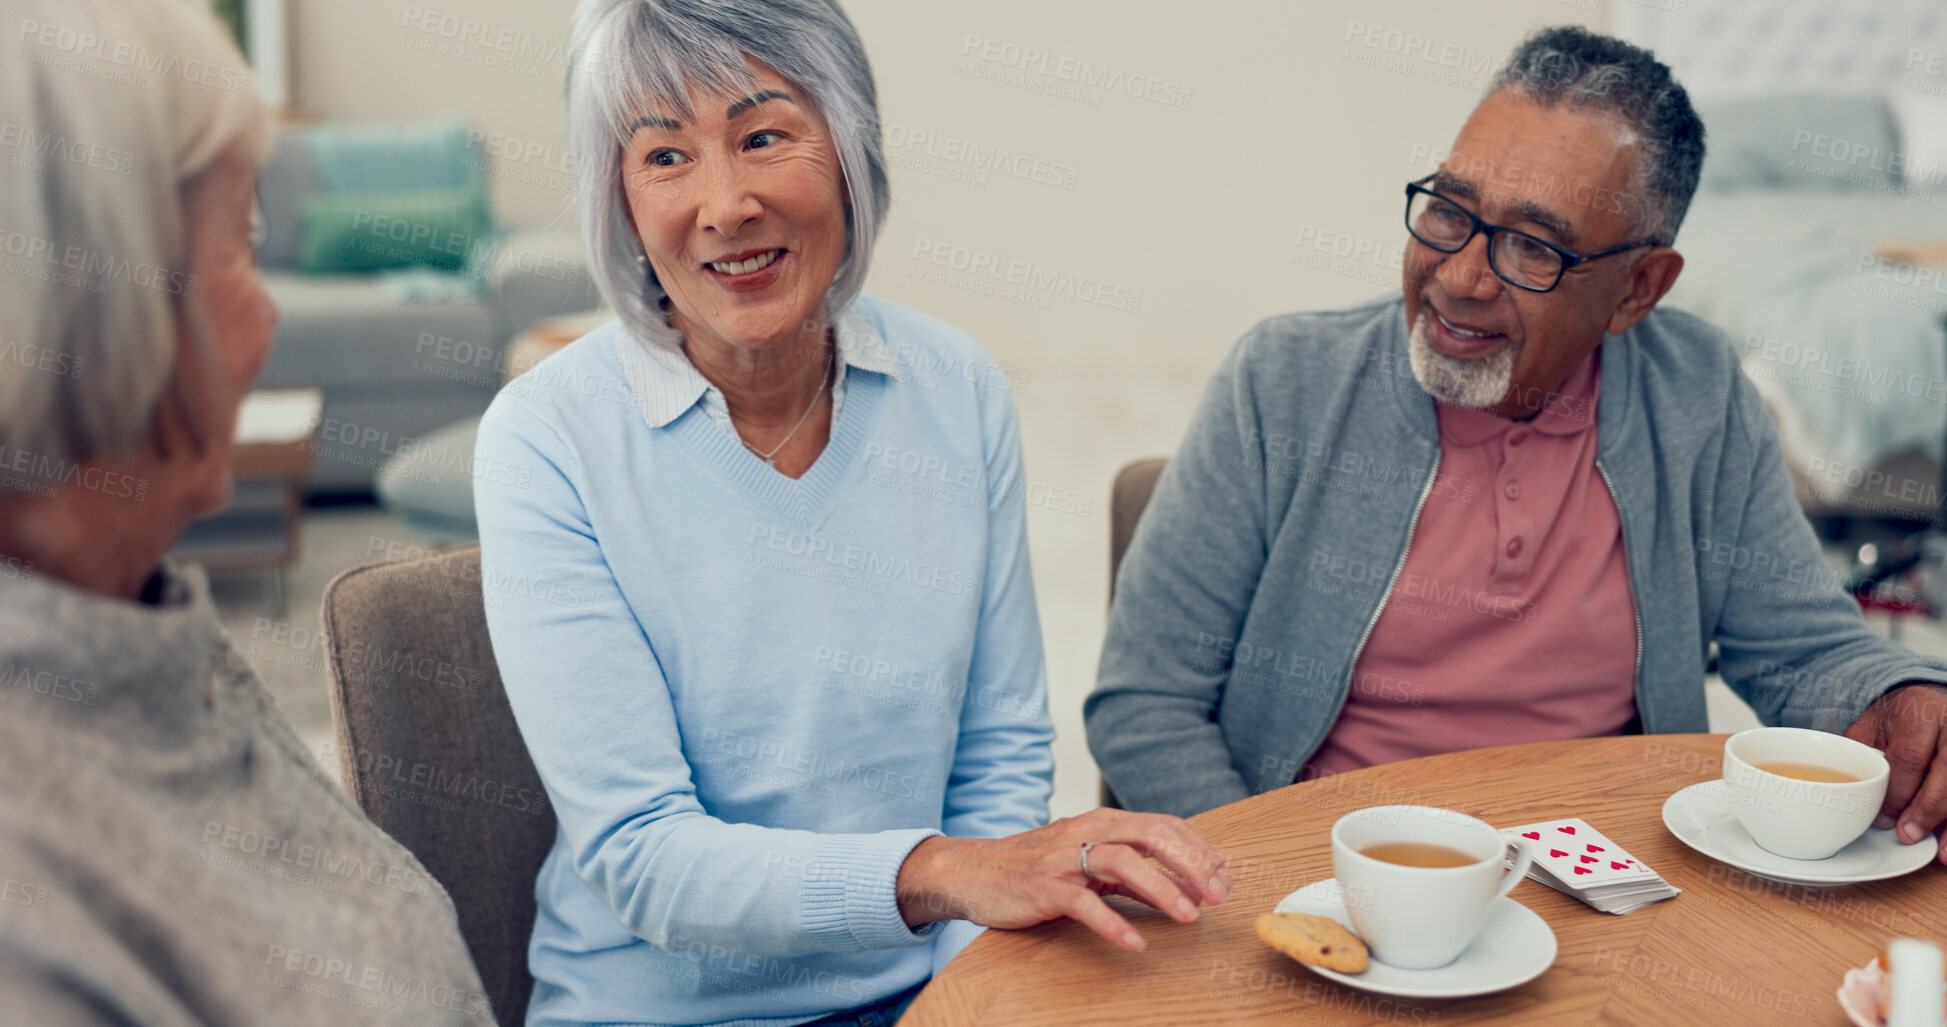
(95, 157)
(632, 57)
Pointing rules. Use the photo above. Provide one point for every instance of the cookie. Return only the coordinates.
(1314, 939)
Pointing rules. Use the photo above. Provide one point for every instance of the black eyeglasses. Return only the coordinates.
(1520, 259)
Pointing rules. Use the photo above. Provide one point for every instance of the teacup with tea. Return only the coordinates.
(1803, 794)
(1419, 881)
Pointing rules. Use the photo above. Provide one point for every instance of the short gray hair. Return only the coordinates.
(1570, 65)
(95, 243)
(632, 57)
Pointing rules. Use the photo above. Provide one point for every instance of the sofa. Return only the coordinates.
(403, 351)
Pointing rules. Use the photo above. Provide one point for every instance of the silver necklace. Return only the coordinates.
(771, 457)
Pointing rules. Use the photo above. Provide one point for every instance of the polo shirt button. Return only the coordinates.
(1518, 438)
(1514, 548)
(1513, 490)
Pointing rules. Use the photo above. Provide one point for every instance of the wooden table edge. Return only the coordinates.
(964, 990)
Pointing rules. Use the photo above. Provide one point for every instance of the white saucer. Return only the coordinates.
(1701, 818)
(1513, 948)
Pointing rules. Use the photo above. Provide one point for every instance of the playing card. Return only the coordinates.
(1579, 855)
(1574, 858)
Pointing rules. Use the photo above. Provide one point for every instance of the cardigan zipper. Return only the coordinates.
(1392, 582)
(1635, 606)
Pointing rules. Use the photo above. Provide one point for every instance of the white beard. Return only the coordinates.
(1479, 383)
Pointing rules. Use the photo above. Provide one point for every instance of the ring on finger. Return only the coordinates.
(1083, 862)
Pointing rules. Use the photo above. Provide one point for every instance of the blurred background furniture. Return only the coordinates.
(261, 528)
(1826, 127)
(397, 290)
(546, 338)
(432, 753)
(1128, 497)
(430, 486)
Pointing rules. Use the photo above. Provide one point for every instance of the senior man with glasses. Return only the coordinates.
(1516, 503)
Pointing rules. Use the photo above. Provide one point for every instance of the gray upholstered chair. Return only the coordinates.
(428, 748)
(1127, 499)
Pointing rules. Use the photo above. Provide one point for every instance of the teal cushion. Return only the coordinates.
(375, 230)
(426, 155)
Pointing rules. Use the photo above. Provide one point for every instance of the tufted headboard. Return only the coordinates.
(1730, 49)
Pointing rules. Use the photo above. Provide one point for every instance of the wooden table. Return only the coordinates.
(1732, 949)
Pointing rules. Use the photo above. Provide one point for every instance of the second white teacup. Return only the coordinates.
(1792, 815)
(1421, 917)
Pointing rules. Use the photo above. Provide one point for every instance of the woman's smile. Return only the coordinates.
(748, 272)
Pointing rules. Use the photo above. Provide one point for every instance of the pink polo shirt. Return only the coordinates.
(1512, 619)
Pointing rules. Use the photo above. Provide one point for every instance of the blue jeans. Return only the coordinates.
(883, 1013)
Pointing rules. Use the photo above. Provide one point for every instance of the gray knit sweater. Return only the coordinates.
(171, 854)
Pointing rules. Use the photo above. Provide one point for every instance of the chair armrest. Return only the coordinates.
(538, 273)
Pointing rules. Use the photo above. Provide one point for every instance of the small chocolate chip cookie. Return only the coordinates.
(1314, 939)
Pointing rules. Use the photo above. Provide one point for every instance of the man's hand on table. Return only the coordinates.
(1909, 724)
(1035, 876)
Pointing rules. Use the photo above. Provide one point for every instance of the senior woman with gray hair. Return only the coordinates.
(169, 851)
(758, 585)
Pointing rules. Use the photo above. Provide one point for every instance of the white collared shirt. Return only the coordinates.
(666, 383)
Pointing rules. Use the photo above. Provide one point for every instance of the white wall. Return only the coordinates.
(1288, 128)
(1301, 121)
(498, 62)
(1198, 209)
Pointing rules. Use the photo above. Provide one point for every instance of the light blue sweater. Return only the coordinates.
(749, 696)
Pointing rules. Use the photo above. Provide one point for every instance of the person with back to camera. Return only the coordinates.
(170, 853)
(786, 693)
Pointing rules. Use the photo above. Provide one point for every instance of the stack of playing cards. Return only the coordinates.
(1576, 859)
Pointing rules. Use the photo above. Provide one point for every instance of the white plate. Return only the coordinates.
(1701, 818)
(1512, 949)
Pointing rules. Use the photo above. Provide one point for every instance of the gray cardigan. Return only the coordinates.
(1276, 532)
(171, 854)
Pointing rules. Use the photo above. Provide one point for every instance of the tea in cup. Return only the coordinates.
(1419, 881)
(1803, 794)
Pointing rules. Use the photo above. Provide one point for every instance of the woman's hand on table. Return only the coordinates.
(1036, 876)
